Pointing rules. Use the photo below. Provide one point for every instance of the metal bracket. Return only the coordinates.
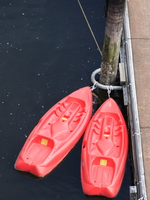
(125, 95)
(133, 192)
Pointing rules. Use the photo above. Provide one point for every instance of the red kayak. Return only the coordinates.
(56, 133)
(104, 151)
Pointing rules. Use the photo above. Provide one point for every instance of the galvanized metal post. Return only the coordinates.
(136, 133)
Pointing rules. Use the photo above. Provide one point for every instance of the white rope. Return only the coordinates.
(93, 87)
(109, 89)
(90, 28)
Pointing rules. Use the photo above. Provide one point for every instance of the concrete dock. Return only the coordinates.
(139, 20)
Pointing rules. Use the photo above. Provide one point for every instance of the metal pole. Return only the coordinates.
(136, 128)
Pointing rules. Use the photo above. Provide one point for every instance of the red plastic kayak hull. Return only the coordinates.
(104, 151)
(56, 133)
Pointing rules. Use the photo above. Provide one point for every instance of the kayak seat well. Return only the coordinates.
(39, 150)
(102, 171)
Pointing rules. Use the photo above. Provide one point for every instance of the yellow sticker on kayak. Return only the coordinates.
(63, 118)
(44, 141)
(106, 135)
(103, 162)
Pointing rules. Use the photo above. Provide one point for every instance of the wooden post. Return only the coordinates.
(112, 38)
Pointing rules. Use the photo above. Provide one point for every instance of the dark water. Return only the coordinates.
(46, 52)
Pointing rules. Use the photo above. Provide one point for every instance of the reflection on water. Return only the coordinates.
(46, 52)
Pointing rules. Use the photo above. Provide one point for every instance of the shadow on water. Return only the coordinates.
(26, 174)
(97, 198)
